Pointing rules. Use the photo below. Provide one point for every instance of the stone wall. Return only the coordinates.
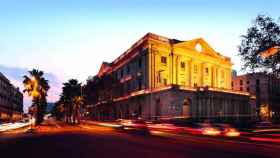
(176, 102)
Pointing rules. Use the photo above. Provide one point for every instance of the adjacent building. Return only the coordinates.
(162, 77)
(233, 73)
(11, 100)
(266, 89)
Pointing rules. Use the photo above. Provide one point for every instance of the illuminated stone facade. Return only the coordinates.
(162, 77)
(11, 101)
(188, 63)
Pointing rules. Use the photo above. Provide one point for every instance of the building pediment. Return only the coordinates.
(200, 46)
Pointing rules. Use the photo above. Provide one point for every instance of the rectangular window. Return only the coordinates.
(139, 84)
(127, 69)
(183, 65)
(241, 82)
(206, 70)
(195, 69)
(241, 88)
(128, 88)
(163, 60)
(121, 73)
(139, 63)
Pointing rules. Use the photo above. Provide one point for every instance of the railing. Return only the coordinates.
(213, 89)
(169, 86)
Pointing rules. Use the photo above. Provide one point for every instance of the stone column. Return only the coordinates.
(230, 79)
(177, 69)
(201, 74)
(190, 72)
(217, 77)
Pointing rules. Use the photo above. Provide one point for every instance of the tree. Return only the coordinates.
(58, 110)
(256, 45)
(71, 100)
(77, 102)
(37, 87)
(90, 90)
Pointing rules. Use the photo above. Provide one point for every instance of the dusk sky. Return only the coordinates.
(71, 38)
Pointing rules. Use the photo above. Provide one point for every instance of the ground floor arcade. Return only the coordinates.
(174, 102)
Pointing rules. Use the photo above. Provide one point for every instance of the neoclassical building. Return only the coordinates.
(162, 77)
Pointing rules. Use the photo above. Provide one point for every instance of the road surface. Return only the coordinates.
(56, 139)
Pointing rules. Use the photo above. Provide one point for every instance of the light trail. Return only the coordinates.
(16, 125)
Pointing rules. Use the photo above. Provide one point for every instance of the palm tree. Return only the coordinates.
(58, 110)
(78, 102)
(71, 99)
(37, 87)
(90, 90)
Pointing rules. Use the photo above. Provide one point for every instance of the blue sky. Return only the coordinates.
(71, 38)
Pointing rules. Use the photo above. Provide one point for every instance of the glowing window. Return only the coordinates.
(195, 69)
(163, 60)
(206, 70)
(183, 65)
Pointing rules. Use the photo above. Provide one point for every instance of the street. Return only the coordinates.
(56, 139)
